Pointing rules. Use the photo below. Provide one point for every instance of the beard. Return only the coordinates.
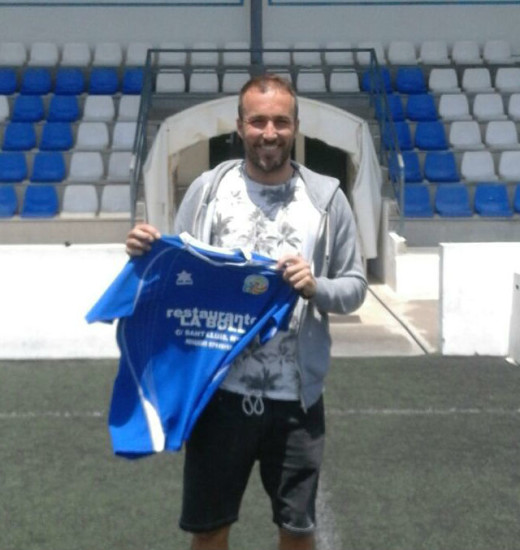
(268, 160)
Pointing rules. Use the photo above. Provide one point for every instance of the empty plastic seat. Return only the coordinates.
(99, 108)
(376, 80)
(402, 52)
(204, 82)
(8, 81)
(19, 136)
(56, 136)
(236, 53)
(48, 167)
(136, 53)
(513, 107)
(115, 199)
(174, 53)
(5, 111)
(276, 53)
(40, 201)
(80, 198)
(507, 79)
(421, 107)
(434, 52)
(86, 166)
(233, 80)
(13, 167)
(69, 81)
(465, 134)
(430, 136)
(488, 107)
(310, 81)
(452, 200)
(28, 108)
(36, 81)
(497, 52)
(8, 201)
(501, 134)
(443, 80)
(364, 58)
(402, 134)
(344, 81)
(417, 202)
(516, 199)
(204, 53)
(476, 79)
(393, 107)
(76, 54)
(466, 52)
(92, 135)
(123, 135)
(306, 53)
(63, 108)
(133, 79)
(107, 54)
(412, 167)
(509, 166)
(12, 54)
(441, 167)
(410, 80)
(337, 53)
(477, 166)
(454, 107)
(119, 165)
(171, 81)
(128, 108)
(44, 54)
(491, 199)
(103, 81)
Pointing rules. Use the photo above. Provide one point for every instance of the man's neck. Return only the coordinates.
(277, 177)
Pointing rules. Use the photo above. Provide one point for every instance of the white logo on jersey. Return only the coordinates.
(184, 278)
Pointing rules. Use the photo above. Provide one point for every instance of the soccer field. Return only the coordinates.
(423, 453)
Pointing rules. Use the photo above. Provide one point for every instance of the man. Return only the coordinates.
(270, 407)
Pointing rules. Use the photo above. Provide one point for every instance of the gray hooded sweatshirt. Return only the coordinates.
(336, 264)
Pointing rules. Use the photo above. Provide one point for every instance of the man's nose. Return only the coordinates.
(270, 131)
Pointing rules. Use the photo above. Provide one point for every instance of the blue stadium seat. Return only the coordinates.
(132, 80)
(430, 136)
(40, 201)
(8, 81)
(367, 85)
(48, 167)
(8, 201)
(63, 108)
(103, 81)
(441, 167)
(452, 200)
(491, 199)
(395, 107)
(19, 136)
(36, 81)
(69, 81)
(410, 80)
(516, 199)
(403, 134)
(412, 167)
(417, 203)
(28, 108)
(421, 107)
(13, 167)
(56, 136)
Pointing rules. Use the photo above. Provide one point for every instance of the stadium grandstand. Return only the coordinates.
(108, 109)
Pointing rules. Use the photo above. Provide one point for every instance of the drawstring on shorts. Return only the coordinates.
(253, 405)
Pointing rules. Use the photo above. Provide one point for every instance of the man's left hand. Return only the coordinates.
(297, 272)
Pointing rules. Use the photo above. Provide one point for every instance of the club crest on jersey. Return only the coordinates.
(184, 278)
(255, 284)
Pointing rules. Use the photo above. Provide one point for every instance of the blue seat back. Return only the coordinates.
(421, 107)
(370, 81)
(103, 81)
(63, 108)
(395, 108)
(56, 136)
(430, 136)
(417, 202)
(8, 81)
(13, 167)
(132, 80)
(491, 199)
(403, 135)
(28, 108)
(516, 199)
(36, 81)
(19, 136)
(410, 80)
(40, 201)
(452, 200)
(441, 167)
(69, 81)
(8, 201)
(48, 167)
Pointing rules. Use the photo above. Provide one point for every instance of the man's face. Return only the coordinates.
(268, 130)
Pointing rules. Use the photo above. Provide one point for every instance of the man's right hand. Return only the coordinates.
(139, 240)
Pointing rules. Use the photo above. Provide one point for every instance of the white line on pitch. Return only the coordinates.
(454, 411)
(21, 415)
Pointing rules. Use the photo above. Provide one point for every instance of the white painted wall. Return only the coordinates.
(476, 295)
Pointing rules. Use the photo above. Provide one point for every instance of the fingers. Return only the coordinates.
(297, 272)
(139, 240)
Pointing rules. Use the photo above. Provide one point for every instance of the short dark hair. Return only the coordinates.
(264, 83)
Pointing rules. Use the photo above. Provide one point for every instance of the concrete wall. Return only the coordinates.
(476, 295)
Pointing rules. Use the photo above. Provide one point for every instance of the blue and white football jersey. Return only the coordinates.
(185, 310)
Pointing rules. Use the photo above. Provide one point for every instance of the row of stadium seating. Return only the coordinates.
(397, 52)
(456, 200)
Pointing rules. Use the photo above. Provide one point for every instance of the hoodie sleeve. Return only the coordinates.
(342, 288)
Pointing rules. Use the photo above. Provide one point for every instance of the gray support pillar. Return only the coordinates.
(256, 36)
